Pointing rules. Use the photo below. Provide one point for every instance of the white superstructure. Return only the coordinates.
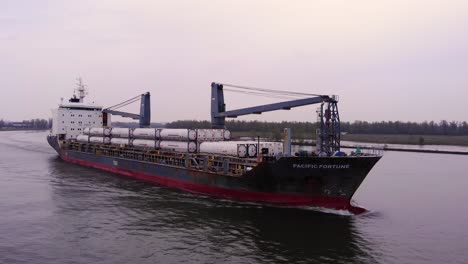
(71, 118)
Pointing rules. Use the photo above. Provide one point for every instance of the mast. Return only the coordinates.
(81, 89)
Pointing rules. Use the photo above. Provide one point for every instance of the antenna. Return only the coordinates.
(81, 89)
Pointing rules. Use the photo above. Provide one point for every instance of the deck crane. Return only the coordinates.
(328, 134)
(145, 110)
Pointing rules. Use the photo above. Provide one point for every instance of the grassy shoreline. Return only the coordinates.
(408, 139)
(23, 129)
(380, 138)
(367, 138)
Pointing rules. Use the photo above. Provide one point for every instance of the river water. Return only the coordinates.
(55, 212)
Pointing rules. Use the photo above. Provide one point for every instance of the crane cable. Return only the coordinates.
(124, 103)
(271, 91)
(262, 94)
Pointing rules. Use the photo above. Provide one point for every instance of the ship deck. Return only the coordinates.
(226, 165)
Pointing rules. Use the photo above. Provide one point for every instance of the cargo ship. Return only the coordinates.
(208, 161)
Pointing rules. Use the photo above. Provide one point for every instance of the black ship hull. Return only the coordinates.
(328, 182)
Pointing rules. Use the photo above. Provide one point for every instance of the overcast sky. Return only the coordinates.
(387, 60)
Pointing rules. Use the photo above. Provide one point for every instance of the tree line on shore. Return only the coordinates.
(452, 128)
(36, 123)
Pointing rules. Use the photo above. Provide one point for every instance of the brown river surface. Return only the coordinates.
(55, 212)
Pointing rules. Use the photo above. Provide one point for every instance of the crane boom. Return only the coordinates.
(328, 134)
(219, 113)
(287, 105)
(145, 111)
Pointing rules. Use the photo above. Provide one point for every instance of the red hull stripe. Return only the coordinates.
(281, 199)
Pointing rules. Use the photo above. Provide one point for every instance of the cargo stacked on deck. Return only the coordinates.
(212, 141)
(179, 140)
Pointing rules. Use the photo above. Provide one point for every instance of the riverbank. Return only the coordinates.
(408, 139)
(380, 138)
(22, 129)
(365, 138)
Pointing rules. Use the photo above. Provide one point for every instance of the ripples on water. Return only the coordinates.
(54, 212)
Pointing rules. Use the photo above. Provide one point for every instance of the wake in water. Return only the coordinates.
(33, 141)
(353, 210)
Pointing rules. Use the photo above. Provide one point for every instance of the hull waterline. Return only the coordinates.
(251, 187)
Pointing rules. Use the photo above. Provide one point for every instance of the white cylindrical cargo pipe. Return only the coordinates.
(99, 131)
(226, 134)
(252, 150)
(144, 133)
(250, 147)
(213, 134)
(99, 140)
(241, 150)
(179, 146)
(201, 134)
(145, 143)
(120, 141)
(82, 138)
(120, 132)
(225, 148)
(177, 134)
(86, 130)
